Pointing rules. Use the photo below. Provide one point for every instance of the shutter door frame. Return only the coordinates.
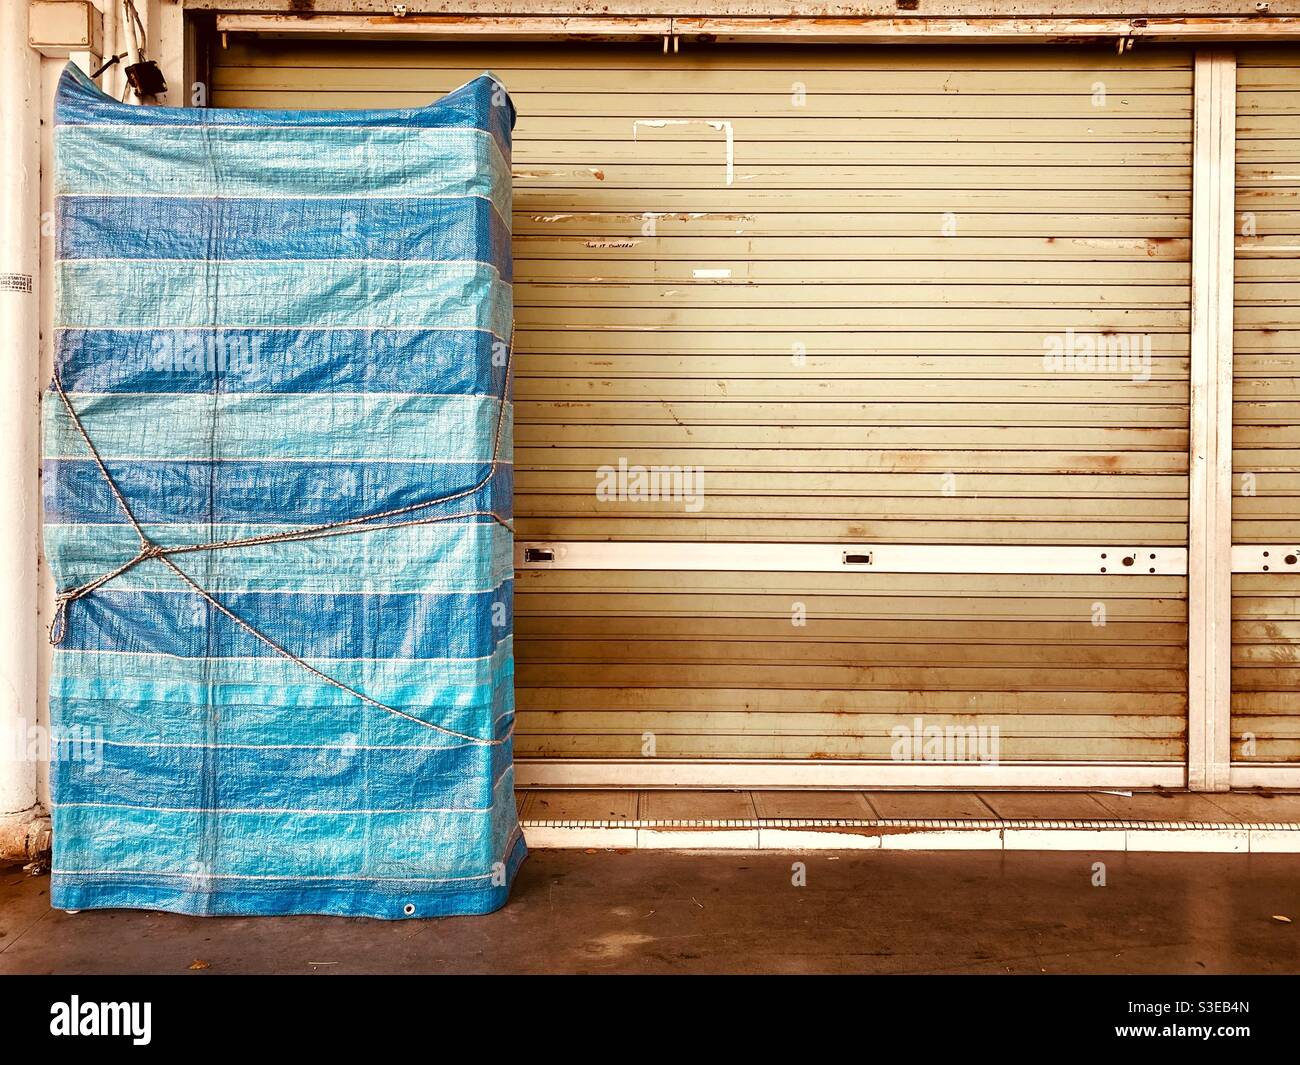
(848, 773)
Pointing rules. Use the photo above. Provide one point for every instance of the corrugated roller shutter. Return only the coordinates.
(829, 277)
(1266, 395)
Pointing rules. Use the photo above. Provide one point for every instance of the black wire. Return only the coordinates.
(108, 64)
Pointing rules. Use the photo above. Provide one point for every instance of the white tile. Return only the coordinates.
(1189, 840)
(807, 839)
(955, 840)
(1063, 839)
(1274, 841)
(698, 839)
(550, 838)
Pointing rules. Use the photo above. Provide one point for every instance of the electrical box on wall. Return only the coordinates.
(61, 27)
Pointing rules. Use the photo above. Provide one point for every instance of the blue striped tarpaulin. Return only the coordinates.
(268, 323)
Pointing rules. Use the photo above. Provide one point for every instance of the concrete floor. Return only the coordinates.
(675, 912)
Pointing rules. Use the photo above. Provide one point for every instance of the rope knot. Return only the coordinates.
(149, 549)
(59, 622)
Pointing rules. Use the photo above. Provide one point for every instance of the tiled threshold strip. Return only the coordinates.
(782, 834)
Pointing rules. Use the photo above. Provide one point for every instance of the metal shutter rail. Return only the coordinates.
(657, 306)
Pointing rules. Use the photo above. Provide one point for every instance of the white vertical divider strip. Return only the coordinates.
(20, 291)
(1209, 590)
(167, 44)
